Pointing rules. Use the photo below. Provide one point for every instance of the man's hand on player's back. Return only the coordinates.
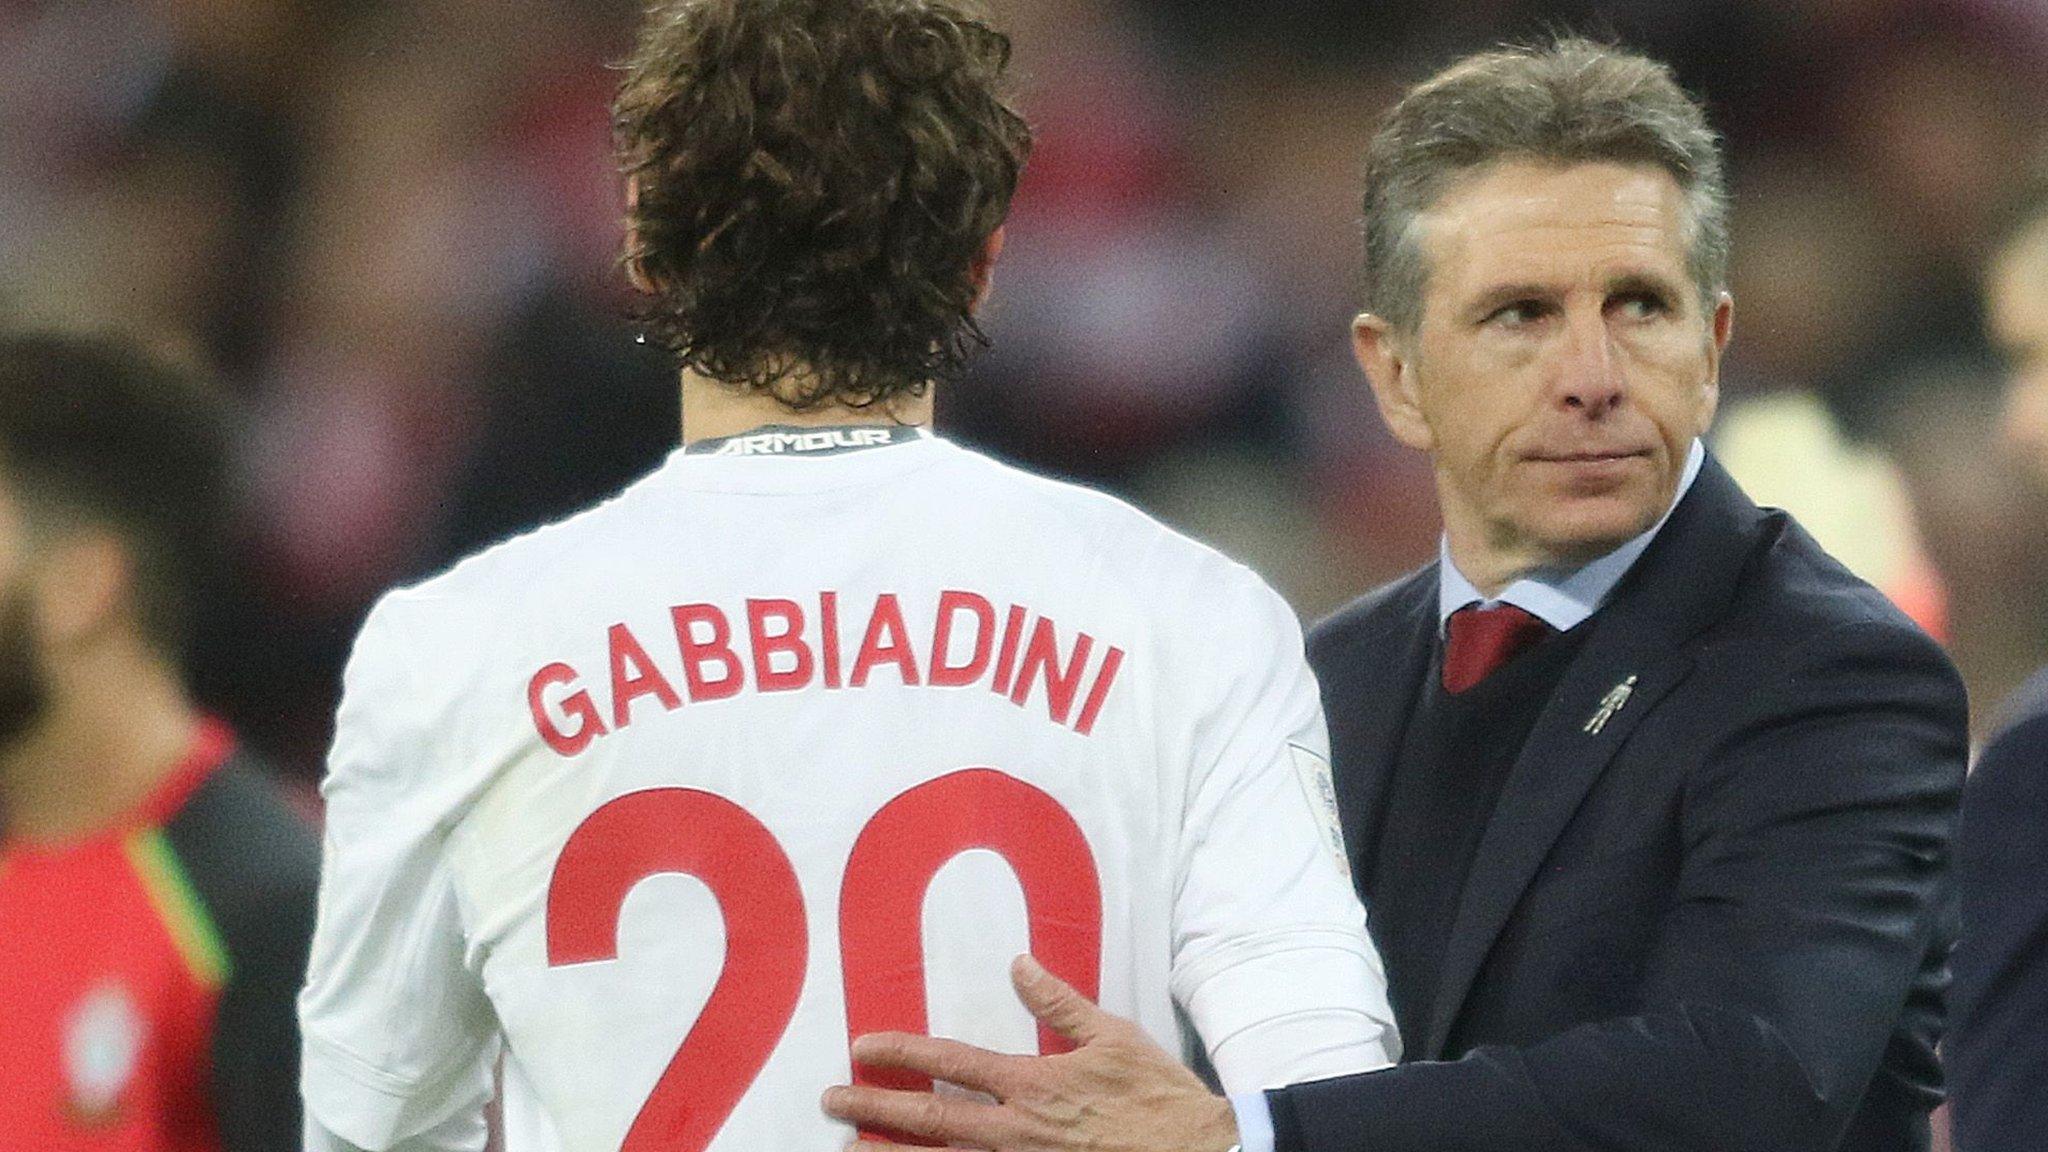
(1117, 1091)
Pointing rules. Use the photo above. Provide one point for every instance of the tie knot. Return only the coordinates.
(1482, 639)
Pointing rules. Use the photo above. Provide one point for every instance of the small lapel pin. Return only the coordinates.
(1615, 700)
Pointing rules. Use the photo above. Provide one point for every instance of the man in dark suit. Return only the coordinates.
(1998, 1051)
(1713, 920)
(1651, 801)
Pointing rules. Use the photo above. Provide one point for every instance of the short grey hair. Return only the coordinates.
(1571, 101)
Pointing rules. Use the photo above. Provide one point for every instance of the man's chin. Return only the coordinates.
(1591, 529)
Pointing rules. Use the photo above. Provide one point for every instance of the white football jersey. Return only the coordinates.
(672, 798)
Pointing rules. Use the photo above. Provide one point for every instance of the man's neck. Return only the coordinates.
(100, 749)
(712, 410)
(1491, 570)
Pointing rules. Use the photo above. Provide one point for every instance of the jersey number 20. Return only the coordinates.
(881, 937)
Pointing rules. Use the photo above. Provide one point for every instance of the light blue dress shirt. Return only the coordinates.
(1561, 598)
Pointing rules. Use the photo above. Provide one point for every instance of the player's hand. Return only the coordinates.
(1116, 1091)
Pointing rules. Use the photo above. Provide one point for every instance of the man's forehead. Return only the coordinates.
(1528, 219)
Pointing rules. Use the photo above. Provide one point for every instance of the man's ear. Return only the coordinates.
(636, 271)
(984, 272)
(1389, 366)
(1721, 329)
(86, 584)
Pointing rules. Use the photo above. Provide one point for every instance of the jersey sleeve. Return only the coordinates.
(464, 1132)
(1271, 960)
(398, 1037)
(256, 1039)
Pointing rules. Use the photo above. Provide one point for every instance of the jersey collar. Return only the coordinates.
(798, 440)
(209, 747)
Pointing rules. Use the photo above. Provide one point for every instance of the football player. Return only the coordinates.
(807, 733)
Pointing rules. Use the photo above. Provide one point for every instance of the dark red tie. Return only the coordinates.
(1483, 639)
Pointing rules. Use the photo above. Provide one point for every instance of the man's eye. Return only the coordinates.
(1643, 305)
(1517, 314)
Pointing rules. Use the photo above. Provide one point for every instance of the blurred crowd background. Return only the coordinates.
(391, 227)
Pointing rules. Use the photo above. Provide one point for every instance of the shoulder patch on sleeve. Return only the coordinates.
(1320, 790)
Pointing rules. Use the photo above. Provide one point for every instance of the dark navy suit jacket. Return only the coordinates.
(1997, 1051)
(1718, 922)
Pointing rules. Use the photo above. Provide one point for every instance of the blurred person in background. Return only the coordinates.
(1777, 435)
(1651, 799)
(156, 893)
(2019, 322)
(1997, 1052)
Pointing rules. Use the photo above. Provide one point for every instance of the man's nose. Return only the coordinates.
(1589, 375)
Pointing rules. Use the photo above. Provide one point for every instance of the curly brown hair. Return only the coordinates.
(814, 183)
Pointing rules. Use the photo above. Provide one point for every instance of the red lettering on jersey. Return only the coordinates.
(634, 675)
(892, 866)
(576, 704)
(1006, 660)
(1092, 707)
(1041, 656)
(828, 642)
(784, 659)
(697, 653)
(945, 675)
(681, 830)
(888, 618)
(790, 640)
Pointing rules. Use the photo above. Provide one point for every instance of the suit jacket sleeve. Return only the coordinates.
(1817, 844)
(1997, 1052)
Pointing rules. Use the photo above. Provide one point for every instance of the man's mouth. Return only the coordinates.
(1589, 457)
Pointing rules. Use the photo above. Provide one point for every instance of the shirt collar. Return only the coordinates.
(1562, 598)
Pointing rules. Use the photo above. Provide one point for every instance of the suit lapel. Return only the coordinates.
(1370, 684)
(1680, 586)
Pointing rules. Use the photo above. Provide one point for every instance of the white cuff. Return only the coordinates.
(1254, 1121)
